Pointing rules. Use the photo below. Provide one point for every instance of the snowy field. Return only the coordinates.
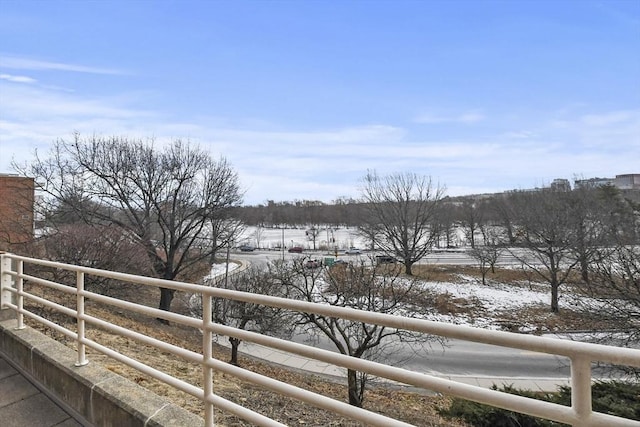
(272, 238)
(342, 238)
(483, 303)
(486, 302)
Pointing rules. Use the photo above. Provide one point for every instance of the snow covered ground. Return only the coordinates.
(482, 304)
(341, 237)
(271, 238)
(218, 270)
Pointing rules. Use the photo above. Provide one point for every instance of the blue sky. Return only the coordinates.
(303, 97)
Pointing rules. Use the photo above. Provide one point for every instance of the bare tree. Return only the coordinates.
(487, 257)
(163, 199)
(545, 230)
(94, 246)
(401, 211)
(614, 291)
(444, 227)
(471, 219)
(224, 231)
(249, 316)
(312, 234)
(601, 215)
(258, 236)
(361, 287)
(500, 208)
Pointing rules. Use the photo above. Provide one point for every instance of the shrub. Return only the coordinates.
(617, 398)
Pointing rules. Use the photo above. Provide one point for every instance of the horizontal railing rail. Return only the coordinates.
(580, 355)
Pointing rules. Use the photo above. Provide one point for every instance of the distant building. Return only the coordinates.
(16, 210)
(560, 184)
(630, 181)
(593, 182)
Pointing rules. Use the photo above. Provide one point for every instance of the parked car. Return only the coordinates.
(312, 263)
(353, 251)
(296, 249)
(246, 248)
(385, 259)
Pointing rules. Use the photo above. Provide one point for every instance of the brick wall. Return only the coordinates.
(16, 210)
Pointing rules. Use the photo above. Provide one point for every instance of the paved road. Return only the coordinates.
(459, 358)
(436, 257)
(486, 381)
(469, 358)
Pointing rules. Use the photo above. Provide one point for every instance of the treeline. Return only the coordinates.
(174, 206)
(473, 213)
(341, 212)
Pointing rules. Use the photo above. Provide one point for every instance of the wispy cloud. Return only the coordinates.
(17, 79)
(321, 163)
(468, 117)
(519, 134)
(608, 130)
(19, 63)
(23, 102)
(611, 118)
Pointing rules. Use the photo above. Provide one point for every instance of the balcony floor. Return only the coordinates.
(23, 404)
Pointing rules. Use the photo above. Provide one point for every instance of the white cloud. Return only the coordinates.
(519, 134)
(19, 63)
(611, 118)
(468, 117)
(610, 131)
(323, 164)
(17, 79)
(26, 103)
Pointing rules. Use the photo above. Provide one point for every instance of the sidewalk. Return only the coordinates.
(314, 366)
(23, 404)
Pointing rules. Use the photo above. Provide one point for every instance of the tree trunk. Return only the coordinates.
(510, 235)
(354, 390)
(554, 267)
(166, 296)
(407, 268)
(235, 343)
(554, 295)
(584, 269)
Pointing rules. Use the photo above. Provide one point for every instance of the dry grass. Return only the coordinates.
(452, 273)
(416, 408)
(420, 409)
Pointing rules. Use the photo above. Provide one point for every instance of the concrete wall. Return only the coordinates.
(98, 395)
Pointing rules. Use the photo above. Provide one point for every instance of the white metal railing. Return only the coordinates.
(581, 355)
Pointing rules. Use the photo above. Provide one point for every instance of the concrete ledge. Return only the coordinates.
(96, 394)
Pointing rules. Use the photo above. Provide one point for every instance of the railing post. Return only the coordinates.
(19, 297)
(207, 354)
(82, 359)
(581, 389)
(6, 281)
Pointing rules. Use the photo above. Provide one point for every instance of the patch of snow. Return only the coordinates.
(219, 269)
(494, 297)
